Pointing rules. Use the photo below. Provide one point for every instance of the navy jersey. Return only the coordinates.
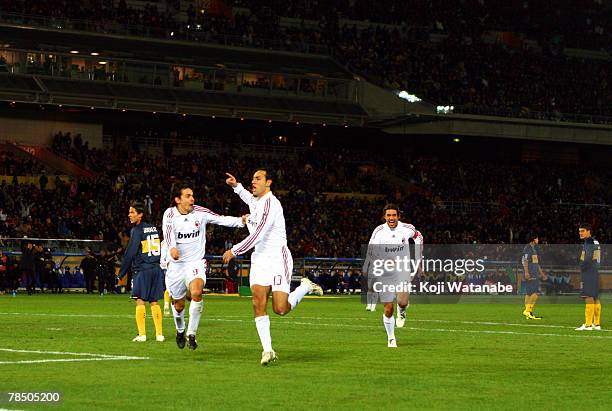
(143, 250)
(530, 256)
(590, 257)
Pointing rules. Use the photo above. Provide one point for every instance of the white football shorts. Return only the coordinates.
(180, 274)
(272, 269)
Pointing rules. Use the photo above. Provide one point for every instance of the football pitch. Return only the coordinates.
(332, 355)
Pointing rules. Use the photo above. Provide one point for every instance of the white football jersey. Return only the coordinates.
(187, 232)
(384, 235)
(266, 224)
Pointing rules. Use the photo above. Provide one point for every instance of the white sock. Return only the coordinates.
(195, 312)
(179, 319)
(372, 298)
(263, 329)
(373, 307)
(389, 326)
(296, 296)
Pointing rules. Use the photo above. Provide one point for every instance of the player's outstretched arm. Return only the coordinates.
(418, 245)
(226, 221)
(264, 225)
(239, 189)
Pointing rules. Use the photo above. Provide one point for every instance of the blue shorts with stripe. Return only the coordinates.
(532, 286)
(148, 285)
(590, 284)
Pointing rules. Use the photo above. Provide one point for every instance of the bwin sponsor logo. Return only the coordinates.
(394, 249)
(194, 234)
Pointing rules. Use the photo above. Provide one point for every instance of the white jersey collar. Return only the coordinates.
(268, 194)
(399, 223)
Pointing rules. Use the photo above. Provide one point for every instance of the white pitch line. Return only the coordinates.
(410, 319)
(530, 325)
(96, 357)
(74, 360)
(72, 315)
(584, 334)
(86, 354)
(229, 318)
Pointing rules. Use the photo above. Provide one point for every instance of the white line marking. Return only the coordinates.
(230, 318)
(530, 325)
(95, 357)
(73, 360)
(584, 334)
(72, 315)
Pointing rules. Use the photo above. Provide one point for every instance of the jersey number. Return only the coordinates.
(153, 244)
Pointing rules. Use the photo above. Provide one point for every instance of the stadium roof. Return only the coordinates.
(50, 90)
(173, 52)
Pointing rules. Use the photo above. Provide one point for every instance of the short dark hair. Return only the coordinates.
(531, 236)
(586, 226)
(391, 206)
(179, 187)
(138, 206)
(270, 175)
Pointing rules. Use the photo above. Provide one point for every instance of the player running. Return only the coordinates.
(392, 232)
(184, 228)
(271, 262)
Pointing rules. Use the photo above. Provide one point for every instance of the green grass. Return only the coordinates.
(332, 355)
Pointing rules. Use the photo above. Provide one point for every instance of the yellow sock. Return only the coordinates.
(156, 313)
(588, 314)
(166, 298)
(141, 315)
(597, 314)
(527, 307)
(531, 307)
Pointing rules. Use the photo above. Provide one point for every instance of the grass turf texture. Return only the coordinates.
(332, 355)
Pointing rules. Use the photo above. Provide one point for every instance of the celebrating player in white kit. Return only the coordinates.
(393, 231)
(271, 262)
(184, 228)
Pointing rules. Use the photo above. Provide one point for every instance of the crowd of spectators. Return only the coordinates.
(13, 165)
(583, 24)
(448, 200)
(463, 67)
(451, 200)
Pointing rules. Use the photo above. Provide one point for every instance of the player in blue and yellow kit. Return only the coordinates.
(532, 273)
(590, 258)
(142, 256)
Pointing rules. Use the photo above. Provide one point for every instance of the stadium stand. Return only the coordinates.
(455, 200)
(481, 60)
